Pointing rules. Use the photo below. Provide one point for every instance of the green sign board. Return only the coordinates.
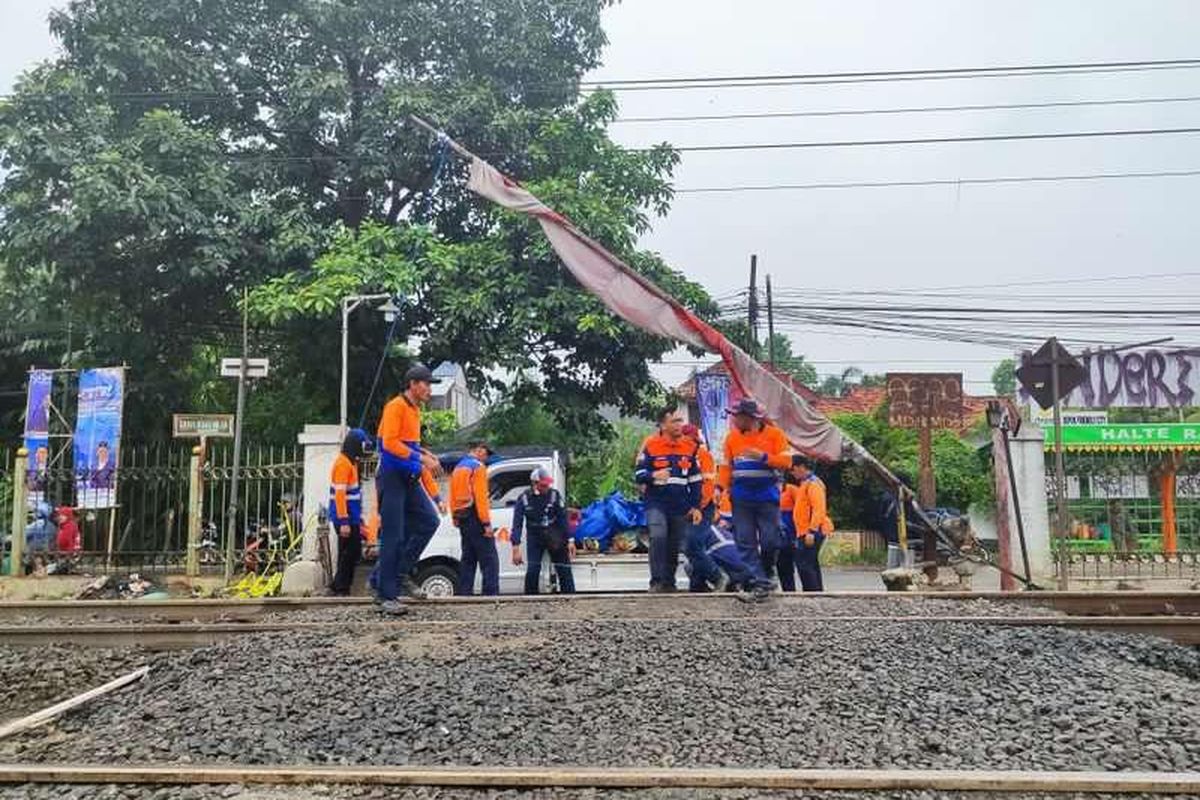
(1147, 435)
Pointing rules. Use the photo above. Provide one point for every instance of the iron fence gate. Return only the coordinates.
(147, 529)
(1116, 514)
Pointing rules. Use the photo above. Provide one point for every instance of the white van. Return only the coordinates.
(508, 478)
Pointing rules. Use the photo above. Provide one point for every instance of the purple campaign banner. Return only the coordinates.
(37, 431)
(98, 436)
(712, 397)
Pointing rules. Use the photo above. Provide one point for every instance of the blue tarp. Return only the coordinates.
(604, 519)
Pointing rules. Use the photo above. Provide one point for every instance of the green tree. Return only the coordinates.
(1004, 378)
(499, 301)
(796, 365)
(177, 152)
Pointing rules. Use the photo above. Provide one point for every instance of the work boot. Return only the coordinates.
(393, 608)
(721, 582)
(761, 594)
(412, 589)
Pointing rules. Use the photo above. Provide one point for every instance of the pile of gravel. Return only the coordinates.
(689, 693)
(318, 792)
(30, 680)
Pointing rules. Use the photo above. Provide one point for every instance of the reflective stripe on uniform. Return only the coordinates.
(753, 473)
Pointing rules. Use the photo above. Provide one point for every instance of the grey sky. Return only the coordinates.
(898, 237)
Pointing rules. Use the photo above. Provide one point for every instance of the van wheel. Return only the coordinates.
(437, 580)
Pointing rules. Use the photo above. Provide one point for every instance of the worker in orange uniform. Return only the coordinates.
(813, 524)
(670, 471)
(754, 450)
(407, 492)
(345, 508)
(470, 507)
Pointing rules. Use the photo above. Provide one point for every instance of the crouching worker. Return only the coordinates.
(541, 514)
(720, 545)
(813, 524)
(345, 508)
(472, 514)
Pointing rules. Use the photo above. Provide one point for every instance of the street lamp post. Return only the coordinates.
(349, 303)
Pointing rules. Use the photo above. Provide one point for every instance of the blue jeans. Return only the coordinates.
(785, 559)
(539, 542)
(477, 551)
(667, 532)
(704, 568)
(808, 561)
(756, 531)
(407, 521)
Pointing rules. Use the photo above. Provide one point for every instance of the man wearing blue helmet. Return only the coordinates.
(345, 508)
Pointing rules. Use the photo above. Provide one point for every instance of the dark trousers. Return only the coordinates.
(477, 551)
(785, 561)
(704, 568)
(407, 521)
(539, 542)
(349, 553)
(756, 531)
(667, 532)
(721, 548)
(808, 561)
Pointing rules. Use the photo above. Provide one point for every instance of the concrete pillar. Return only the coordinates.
(20, 513)
(321, 445)
(1029, 467)
(195, 511)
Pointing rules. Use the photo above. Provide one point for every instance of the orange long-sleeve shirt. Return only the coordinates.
(811, 512)
(708, 471)
(469, 488)
(400, 436)
(768, 440)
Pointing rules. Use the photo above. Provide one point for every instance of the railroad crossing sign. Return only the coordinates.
(1037, 374)
(186, 426)
(255, 367)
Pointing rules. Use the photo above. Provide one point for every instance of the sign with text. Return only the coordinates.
(715, 394)
(1141, 378)
(1149, 435)
(185, 426)
(37, 433)
(925, 399)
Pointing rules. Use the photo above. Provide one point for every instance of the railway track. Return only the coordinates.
(580, 777)
(167, 636)
(1108, 604)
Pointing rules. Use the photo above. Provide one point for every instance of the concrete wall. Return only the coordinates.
(321, 445)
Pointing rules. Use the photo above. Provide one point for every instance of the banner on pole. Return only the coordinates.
(98, 436)
(715, 393)
(37, 433)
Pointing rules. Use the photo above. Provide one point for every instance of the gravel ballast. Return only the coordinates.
(684, 693)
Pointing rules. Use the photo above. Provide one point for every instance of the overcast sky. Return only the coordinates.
(898, 237)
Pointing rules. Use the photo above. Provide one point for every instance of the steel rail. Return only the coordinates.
(1066, 782)
(155, 636)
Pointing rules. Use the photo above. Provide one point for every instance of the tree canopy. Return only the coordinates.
(180, 152)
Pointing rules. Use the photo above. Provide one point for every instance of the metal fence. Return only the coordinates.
(147, 529)
(1115, 504)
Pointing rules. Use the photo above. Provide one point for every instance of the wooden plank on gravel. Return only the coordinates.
(628, 778)
(47, 714)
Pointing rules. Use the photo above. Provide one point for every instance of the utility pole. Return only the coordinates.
(231, 520)
(770, 326)
(1060, 474)
(752, 307)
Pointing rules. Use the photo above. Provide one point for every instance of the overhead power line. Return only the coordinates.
(791, 79)
(912, 110)
(773, 187)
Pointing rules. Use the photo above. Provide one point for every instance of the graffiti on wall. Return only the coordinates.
(1143, 378)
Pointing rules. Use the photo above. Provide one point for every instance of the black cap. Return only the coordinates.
(419, 372)
(802, 461)
(481, 444)
(747, 406)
